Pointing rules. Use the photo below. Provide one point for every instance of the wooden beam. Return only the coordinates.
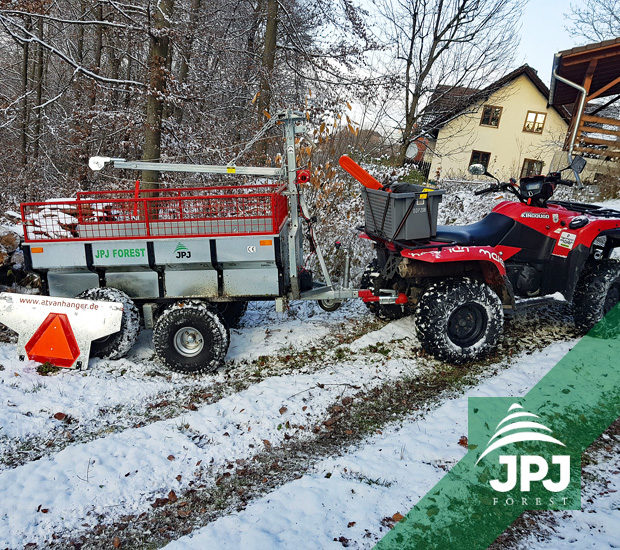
(603, 89)
(613, 143)
(593, 130)
(582, 57)
(599, 152)
(587, 81)
(601, 120)
(605, 105)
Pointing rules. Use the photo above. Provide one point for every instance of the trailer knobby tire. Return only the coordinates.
(115, 345)
(459, 320)
(189, 337)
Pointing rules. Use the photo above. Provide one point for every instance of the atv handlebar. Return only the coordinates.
(487, 190)
(514, 189)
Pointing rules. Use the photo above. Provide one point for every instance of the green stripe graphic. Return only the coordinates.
(576, 400)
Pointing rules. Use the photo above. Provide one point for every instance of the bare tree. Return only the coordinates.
(595, 20)
(454, 43)
(159, 60)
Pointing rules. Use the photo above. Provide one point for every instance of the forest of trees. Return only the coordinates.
(193, 80)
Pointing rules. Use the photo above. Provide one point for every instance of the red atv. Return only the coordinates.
(458, 280)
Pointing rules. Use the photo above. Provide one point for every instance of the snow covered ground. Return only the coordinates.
(87, 455)
(349, 496)
(98, 477)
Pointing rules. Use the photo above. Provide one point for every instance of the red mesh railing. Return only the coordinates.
(156, 213)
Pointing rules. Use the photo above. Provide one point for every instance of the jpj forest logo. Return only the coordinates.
(523, 463)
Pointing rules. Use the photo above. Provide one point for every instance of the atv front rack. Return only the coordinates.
(591, 209)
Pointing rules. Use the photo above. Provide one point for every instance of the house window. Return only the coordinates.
(490, 116)
(534, 122)
(531, 168)
(480, 157)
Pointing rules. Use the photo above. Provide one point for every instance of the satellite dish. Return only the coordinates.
(412, 150)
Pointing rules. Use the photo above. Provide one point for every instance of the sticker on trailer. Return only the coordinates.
(58, 330)
(567, 240)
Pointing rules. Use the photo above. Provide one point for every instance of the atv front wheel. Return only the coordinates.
(597, 292)
(387, 312)
(191, 338)
(117, 345)
(459, 320)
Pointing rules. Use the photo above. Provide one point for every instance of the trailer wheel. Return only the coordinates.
(597, 292)
(387, 312)
(189, 337)
(232, 312)
(115, 345)
(329, 305)
(458, 320)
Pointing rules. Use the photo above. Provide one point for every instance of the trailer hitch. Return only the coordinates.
(392, 298)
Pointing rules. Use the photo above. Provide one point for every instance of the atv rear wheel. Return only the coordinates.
(459, 320)
(387, 312)
(189, 337)
(117, 345)
(597, 292)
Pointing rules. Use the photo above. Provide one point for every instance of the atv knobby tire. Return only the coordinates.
(597, 292)
(232, 312)
(387, 312)
(459, 320)
(115, 345)
(190, 337)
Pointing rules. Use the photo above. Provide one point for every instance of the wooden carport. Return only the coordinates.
(595, 69)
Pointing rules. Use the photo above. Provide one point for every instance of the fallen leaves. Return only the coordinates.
(170, 458)
(390, 521)
(283, 410)
(463, 441)
(267, 444)
(60, 416)
(172, 496)
(159, 502)
(116, 542)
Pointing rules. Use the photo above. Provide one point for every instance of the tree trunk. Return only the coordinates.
(39, 79)
(97, 51)
(158, 78)
(186, 53)
(269, 55)
(24, 124)
(408, 131)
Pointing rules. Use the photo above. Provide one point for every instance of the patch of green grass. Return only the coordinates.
(414, 176)
(47, 369)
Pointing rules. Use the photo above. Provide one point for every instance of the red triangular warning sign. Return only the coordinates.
(54, 342)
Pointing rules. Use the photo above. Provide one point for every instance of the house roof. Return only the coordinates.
(446, 100)
(573, 64)
(437, 118)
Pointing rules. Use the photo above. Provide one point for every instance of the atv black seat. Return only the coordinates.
(488, 231)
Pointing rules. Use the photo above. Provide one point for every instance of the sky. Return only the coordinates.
(543, 34)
